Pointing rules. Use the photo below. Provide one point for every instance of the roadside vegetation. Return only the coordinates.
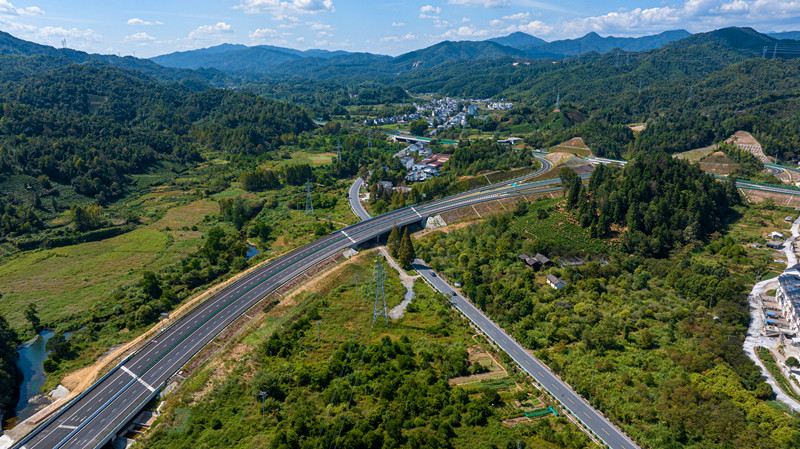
(652, 336)
(329, 380)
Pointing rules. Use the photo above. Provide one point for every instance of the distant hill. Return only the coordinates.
(59, 57)
(453, 51)
(794, 35)
(745, 40)
(594, 42)
(518, 40)
(239, 58)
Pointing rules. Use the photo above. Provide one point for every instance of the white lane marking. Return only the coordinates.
(415, 211)
(139, 379)
(351, 238)
(64, 426)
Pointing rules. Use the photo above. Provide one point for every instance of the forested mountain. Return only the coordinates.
(594, 42)
(794, 35)
(59, 57)
(86, 129)
(239, 58)
(518, 40)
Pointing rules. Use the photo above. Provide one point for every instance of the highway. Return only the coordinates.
(94, 417)
(579, 408)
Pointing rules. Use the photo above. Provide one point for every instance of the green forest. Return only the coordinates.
(651, 324)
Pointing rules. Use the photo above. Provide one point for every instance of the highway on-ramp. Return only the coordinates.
(94, 417)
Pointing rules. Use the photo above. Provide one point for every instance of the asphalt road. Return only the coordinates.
(93, 418)
(579, 408)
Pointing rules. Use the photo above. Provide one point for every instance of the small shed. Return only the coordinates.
(776, 235)
(775, 244)
(555, 282)
(788, 219)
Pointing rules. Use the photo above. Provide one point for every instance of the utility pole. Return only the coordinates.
(263, 395)
(379, 274)
(309, 203)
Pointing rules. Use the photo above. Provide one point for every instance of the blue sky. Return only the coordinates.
(149, 28)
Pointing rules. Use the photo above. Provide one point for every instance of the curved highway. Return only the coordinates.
(94, 417)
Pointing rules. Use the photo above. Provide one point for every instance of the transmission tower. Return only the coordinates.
(309, 203)
(558, 100)
(640, 87)
(764, 52)
(369, 140)
(379, 274)
(617, 63)
(63, 43)
(339, 152)
(774, 51)
(691, 89)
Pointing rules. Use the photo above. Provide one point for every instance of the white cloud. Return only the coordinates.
(284, 7)
(138, 21)
(438, 23)
(691, 14)
(477, 3)
(324, 34)
(50, 35)
(465, 19)
(267, 36)
(534, 27)
(211, 31)
(7, 9)
(427, 9)
(139, 37)
(495, 22)
(735, 6)
(316, 26)
(405, 37)
(301, 39)
(518, 16)
(398, 24)
(465, 31)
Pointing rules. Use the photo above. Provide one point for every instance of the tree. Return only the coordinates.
(150, 285)
(394, 242)
(792, 362)
(418, 127)
(33, 318)
(406, 253)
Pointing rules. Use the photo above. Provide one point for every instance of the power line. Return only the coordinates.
(309, 203)
(379, 274)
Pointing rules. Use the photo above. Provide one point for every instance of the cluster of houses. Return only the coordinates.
(401, 119)
(540, 261)
(420, 162)
(441, 114)
(499, 106)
